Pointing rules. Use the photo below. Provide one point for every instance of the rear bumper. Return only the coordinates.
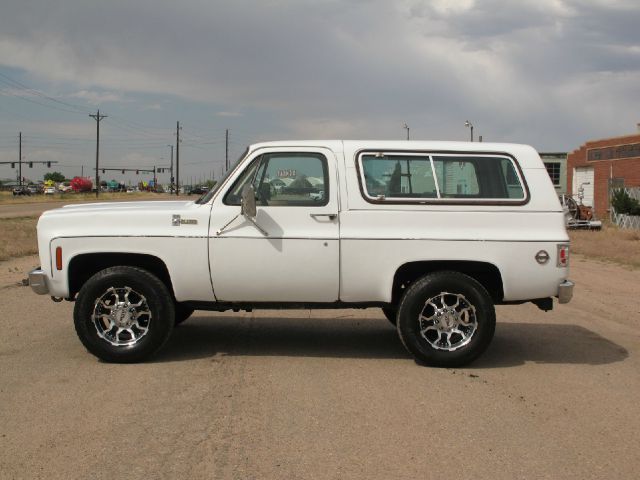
(565, 291)
(38, 281)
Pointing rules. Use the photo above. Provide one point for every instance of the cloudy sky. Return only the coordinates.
(550, 73)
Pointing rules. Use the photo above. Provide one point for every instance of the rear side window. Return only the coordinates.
(440, 177)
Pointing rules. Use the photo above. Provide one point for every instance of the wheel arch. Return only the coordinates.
(487, 274)
(84, 266)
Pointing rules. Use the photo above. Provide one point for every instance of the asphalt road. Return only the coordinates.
(326, 395)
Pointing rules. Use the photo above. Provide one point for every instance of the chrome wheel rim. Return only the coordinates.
(448, 321)
(121, 316)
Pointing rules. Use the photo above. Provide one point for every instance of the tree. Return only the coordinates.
(623, 203)
(54, 177)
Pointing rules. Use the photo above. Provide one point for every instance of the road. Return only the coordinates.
(326, 395)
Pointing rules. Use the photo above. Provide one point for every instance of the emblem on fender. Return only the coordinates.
(176, 221)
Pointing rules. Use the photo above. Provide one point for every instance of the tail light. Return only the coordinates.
(563, 255)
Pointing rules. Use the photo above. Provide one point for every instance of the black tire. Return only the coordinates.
(117, 288)
(182, 312)
(459, 311)
(391, 313)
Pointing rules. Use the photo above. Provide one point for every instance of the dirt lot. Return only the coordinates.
(326, 394)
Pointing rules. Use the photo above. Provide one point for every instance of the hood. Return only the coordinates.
(148, 218)
(148, 206)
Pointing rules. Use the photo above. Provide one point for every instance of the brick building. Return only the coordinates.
(597, 162)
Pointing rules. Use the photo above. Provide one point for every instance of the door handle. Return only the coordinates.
(331, 216)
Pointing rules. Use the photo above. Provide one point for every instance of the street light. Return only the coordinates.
(467, 123)
(407, 128)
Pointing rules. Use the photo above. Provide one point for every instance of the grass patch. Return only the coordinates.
(611, 244)
(18, 237)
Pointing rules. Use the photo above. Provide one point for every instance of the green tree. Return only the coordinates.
(210, 184)
(54, 177)
(623, 203)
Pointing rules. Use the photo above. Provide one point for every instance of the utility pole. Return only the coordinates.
(171, 167)
(226, 150)
(97, 117)
(155, 179)
(177, 159)
(20, 158)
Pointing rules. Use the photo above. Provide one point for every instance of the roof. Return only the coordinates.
(523, 152)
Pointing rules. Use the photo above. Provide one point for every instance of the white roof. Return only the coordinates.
(522, 152)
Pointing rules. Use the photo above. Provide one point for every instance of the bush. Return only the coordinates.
(623, 203)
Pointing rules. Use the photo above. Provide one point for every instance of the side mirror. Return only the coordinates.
(248, 204)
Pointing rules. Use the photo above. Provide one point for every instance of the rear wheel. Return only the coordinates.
(123, 314)
(446, 319)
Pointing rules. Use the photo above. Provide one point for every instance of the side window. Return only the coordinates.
(398, 176)
(485, 178)
(457, 177)
(285, 179)
(389, 177)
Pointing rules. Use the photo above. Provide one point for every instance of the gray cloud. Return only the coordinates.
(547, 72)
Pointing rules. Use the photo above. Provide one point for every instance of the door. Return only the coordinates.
(583, 179)
(295, 258)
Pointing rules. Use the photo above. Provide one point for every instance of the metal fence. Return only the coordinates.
(623, 220)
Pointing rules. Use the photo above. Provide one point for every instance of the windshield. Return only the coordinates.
(209, 195)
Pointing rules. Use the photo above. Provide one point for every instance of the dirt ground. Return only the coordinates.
(326, 395)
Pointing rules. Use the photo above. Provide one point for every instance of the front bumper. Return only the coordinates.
(565, 291)
(38, 281)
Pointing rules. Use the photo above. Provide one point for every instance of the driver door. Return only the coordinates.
(297, 207)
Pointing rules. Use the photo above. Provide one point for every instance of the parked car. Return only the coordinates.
(49, 190)
(21, 191)
(198, 190)
(434, 233)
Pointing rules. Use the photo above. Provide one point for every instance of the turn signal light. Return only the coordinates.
(563, 255)
(59, 258)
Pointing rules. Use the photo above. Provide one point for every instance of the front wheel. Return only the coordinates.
(446, 319)
(123, 314)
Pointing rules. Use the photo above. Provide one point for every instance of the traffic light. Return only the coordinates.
(103, 170)
(137, 171)
(13, 165)
(48, 164)
(123, 172)
(30, 164)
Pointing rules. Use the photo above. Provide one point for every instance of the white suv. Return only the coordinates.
(434, 233)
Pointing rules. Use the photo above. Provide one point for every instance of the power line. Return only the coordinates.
(38, 93)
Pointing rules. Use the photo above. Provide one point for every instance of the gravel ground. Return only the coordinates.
(326, 394)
